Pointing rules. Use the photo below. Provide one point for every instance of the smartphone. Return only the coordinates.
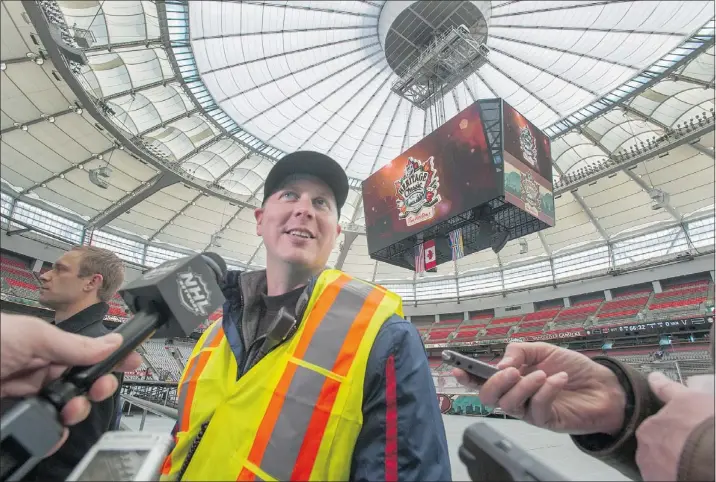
(489, 455)
(124, 456)
(476, 368)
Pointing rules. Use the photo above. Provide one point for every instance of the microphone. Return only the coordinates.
(171, 300)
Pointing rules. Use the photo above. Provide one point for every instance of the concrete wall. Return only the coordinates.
(49, 251)
(513, 309)
(698, 265)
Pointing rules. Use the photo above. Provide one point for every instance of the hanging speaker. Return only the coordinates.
(71, 53)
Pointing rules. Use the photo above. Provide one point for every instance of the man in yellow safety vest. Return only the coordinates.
(311, 374)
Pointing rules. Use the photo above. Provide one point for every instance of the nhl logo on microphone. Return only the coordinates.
(194, 295)
(185, 291)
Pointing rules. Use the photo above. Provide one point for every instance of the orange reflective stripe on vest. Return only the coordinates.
(187, 383)
(293, 426)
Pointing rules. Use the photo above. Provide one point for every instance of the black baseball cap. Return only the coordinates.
(312, 163)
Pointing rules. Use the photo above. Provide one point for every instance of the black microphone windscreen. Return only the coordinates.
(220, 264)
(184, 291)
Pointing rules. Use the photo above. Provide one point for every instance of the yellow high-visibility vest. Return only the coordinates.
(297, 413)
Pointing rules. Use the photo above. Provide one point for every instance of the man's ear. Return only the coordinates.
(258, 215)
(95, 282)
(339, 229)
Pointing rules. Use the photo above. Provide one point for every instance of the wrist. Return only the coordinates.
(620, 408)
(617, 414)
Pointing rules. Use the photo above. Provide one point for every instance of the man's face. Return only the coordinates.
(62, 284)
(299, 223)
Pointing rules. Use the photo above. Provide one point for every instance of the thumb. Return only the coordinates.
(514, 356)
(518, 354)
(663, 387)
(69, 349)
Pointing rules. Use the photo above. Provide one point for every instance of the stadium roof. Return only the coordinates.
(190, 103)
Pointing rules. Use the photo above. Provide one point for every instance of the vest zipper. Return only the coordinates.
(192, 449)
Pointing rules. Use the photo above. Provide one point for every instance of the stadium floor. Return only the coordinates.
(554, 449)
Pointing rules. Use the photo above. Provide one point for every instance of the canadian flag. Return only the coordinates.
(430, 259)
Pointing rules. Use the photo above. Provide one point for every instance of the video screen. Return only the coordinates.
(448, 172)
(525, 143)
(527, 165)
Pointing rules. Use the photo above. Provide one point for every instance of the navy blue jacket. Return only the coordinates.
(403, 436)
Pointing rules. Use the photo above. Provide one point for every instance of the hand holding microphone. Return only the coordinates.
(171, 300)
(34, 352)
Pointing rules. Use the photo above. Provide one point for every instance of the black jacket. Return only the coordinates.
(87, 322)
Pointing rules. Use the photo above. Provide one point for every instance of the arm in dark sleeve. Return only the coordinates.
(619, 451)
(697, 457)
(403, 436)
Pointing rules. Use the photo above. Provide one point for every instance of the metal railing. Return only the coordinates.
(678, 370)
(157, 392)
(129, 402)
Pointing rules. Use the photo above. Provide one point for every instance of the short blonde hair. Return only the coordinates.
(105, 263)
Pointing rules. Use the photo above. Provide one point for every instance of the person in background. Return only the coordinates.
(34, 352)
(77, 288)
(312, 374)
(648, 428)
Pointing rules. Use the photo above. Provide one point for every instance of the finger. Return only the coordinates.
(65, 435)
(518, 354)
(513, 401)
(103, 388)
(130, 363)
(464, 378)
(664, 388)
(63, 348)
(24, 383)
(75, 411)
(498, 385)
(541, 402)
(641, 456)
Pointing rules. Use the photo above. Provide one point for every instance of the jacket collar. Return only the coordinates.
(79, 321)
(244, 289)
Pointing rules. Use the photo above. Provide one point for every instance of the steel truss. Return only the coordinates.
(449, 59)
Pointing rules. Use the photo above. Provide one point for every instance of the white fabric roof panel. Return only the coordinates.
(38, 93)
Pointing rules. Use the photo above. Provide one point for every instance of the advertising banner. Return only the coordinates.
(469, 404)
(567, 333)
(666, 326)
(447, 173)
(528, 166)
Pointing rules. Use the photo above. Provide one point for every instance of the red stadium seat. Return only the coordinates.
(502, 321)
